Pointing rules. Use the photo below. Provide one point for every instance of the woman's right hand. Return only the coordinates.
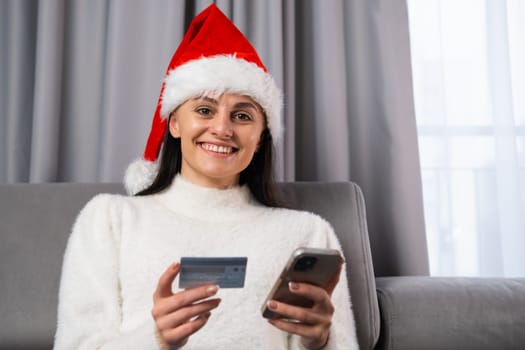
(179, 315)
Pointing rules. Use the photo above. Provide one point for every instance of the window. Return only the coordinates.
(468, 64)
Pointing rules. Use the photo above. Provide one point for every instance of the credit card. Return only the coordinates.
(226, 272)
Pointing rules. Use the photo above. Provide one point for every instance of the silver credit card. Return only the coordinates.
(226, 272)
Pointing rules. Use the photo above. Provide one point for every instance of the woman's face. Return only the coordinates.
(219, 136)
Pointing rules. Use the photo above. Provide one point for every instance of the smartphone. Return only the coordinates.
(310, 265)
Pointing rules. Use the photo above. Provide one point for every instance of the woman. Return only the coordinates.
(211, 195)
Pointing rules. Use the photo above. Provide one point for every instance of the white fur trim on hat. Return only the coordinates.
(139, 175)
(224, 73)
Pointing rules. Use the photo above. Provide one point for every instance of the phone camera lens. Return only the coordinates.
(305, 263)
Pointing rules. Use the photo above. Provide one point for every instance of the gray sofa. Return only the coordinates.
(391, 313)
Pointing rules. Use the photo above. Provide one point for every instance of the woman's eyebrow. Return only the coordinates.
(246, 105)
(238, 105)
(207, 99)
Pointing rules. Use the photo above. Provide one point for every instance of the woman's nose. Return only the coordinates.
(222, 125)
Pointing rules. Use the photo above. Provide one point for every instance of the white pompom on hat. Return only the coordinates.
(213, 56)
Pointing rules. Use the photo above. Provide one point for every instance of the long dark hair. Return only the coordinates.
(258, 175)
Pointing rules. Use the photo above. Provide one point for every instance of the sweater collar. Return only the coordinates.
(209, 204)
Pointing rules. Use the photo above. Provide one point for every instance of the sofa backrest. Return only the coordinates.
(36, 220)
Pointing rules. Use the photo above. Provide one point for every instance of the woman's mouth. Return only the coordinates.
(217, 149)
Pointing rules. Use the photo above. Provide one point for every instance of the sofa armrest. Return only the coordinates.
(451, 313)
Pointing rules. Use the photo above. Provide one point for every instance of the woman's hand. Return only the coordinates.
(311, 324)
(179, 315)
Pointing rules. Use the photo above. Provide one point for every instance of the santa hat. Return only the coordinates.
(213, 56)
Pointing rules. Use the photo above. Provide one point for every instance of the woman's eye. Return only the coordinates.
(204, 111)
(242, 116)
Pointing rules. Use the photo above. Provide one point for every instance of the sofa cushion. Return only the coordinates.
(451, 313)
(35, 225)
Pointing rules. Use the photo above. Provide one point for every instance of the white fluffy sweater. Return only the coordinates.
(120, 246)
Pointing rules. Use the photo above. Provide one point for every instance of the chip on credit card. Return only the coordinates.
(226, 272)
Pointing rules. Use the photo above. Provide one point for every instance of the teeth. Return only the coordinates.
(215, 148)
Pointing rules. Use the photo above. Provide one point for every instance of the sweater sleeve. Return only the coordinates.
(89, 308)
(343, 332)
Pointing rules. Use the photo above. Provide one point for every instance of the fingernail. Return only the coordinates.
(272, 305)
(293, 286)
(174, 266)
(212, 289)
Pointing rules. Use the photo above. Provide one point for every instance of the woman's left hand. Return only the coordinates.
(311, 324)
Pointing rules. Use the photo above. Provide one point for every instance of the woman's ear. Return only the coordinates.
(174, 125)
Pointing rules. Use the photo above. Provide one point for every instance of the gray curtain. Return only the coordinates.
(79, 80)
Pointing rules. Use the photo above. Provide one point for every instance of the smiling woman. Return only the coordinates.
(210, 193)
(219, 136)
(227, 120)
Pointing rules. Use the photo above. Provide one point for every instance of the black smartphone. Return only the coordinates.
(309, 265)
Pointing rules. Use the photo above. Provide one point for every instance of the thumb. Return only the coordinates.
(166, 279)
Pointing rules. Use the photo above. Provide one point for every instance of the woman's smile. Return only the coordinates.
(215, 148)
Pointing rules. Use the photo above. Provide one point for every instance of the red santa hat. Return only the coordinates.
(213, 56)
